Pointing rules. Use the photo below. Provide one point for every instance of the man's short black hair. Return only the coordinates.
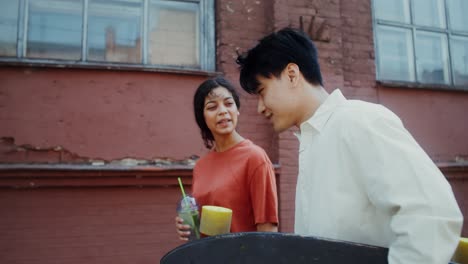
(273, 53)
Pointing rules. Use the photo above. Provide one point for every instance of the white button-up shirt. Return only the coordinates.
(363, 178)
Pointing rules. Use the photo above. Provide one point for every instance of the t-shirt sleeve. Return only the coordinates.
(263, 192)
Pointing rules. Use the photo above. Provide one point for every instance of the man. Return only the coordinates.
(362, 176)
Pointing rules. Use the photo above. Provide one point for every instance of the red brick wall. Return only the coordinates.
(97, 114)
(358, 50)
(135, 225)
(87, 225)
(239, 24)
(459, 183)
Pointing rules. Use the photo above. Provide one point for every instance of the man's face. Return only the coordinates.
(276, 101)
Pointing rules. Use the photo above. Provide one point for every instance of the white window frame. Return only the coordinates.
(206, 43)
(414, 29)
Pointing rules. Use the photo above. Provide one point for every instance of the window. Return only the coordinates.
(424, 42)
(136, 33)
(8, 27)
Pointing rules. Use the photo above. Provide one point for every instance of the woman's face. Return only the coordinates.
(220, 112)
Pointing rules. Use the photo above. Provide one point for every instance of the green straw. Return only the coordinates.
(181, 187)
(197, 233)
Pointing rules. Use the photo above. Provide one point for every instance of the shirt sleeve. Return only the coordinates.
(263, 192)
(402, 181)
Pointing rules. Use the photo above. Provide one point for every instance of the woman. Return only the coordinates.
(236, 173)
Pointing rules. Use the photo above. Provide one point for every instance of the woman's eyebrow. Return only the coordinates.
(210, 102)
(214, 100)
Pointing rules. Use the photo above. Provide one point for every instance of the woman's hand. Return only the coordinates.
(267, 227)
(183, 231)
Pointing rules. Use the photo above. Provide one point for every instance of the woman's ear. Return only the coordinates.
(238, 113)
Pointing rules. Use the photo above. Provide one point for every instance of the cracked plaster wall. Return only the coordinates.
(76, 116)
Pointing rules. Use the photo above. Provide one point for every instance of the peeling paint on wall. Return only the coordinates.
(10, 153)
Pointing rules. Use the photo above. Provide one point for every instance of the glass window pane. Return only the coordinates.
(8, 27)
(429, 13)
(114, 31)
(432, 58)
(54, 29)
(174, 34)
(394, 10)
(457, 14)
(395, 54)
(460, 60)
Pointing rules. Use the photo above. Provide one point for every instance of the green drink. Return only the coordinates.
(187, 209)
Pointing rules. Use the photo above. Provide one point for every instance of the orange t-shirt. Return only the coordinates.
(242, 179)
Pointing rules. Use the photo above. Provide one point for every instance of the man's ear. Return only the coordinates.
(292, 70)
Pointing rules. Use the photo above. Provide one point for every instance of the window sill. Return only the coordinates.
(22, 176)
(68, 175)
(419, 86)
(454, 170)
(103, 66)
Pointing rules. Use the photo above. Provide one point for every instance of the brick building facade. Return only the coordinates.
(89, 157)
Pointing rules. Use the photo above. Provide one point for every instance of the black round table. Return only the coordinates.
(273, 248)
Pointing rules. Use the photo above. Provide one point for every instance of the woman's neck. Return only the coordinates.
(223, 143)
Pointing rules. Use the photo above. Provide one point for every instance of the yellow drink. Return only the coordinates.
(215, 220)
(461, 254)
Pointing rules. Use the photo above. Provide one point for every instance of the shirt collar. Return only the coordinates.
(324, 112)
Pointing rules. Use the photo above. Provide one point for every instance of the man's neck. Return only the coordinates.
(313, 97)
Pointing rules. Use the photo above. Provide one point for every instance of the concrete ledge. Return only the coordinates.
(48, 175)
(64, 175)
(454, 170)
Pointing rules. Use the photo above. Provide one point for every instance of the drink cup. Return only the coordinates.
(215, 220)
(461, 253)
(187, 209)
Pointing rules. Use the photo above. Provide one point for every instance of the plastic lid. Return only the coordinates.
(187, 203)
